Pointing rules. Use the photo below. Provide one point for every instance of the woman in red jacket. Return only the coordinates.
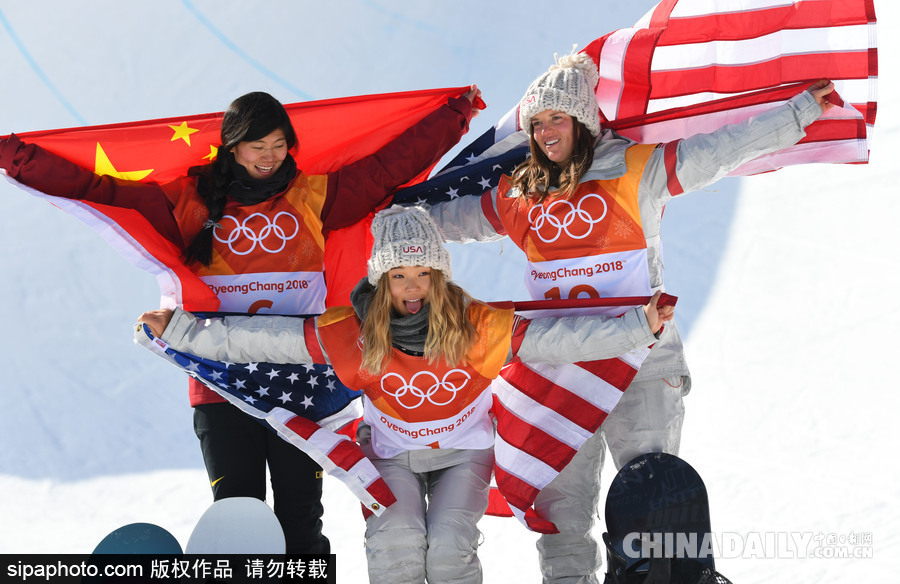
(248, 224)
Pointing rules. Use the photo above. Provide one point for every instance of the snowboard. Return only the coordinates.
(658, 525)
(139, 538)
(237, 525)
(144, 542)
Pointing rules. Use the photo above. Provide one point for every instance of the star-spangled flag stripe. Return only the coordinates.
(350, 464)
(520, 507)
(669, 55)
(832, 142)
(341, 458)
(697, 35)
(533, 440)
(618, 370)
(524, 383)
(787, 55)
(528, 420)
(544, 414)
(521, 492)
(742, 19)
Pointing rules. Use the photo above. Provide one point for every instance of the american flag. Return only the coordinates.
(476, 169)
(538, 432)
(544, 413)
(304, 404)
(691, 66)
(540, 425)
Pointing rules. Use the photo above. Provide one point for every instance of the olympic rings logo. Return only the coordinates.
(272, 231)
(545, 218)
(437, 392)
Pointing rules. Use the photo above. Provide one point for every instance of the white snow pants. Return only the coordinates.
(430, 534)
(648, 418)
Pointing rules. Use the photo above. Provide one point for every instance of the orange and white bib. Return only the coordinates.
(268, 257)
(416, 405)
(591, 245)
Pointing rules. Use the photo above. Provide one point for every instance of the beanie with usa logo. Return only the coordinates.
(406, 236)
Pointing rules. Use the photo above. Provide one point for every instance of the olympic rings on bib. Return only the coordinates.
(546, 218)
(271, 230)
(439, 393)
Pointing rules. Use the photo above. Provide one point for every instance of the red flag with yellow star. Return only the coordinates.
(331, 134)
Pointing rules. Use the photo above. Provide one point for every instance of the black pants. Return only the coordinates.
(236, 448)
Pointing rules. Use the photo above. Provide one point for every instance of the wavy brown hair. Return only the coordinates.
(450, 333)
(538, 176)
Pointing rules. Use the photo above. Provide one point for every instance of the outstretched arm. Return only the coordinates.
(590, 338)
(702, 159)
(51, 174)
(241, 339)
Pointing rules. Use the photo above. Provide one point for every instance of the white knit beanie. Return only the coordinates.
(406, 236)
(568, 86)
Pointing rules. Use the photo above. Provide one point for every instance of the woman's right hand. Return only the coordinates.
(657, 315)
(157, 320)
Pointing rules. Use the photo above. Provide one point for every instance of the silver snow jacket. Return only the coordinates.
(701, 160)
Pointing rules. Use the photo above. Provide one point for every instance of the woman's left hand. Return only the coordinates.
(474, 97)
(657, 315)
(820, 90)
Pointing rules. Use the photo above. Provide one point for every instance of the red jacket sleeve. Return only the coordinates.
(53, 175)
(363, 185)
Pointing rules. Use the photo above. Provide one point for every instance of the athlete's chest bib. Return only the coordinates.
(269, 257)
(591, 245)
(415, 404)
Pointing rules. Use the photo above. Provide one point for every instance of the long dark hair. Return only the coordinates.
(250, 117)
(538, 175)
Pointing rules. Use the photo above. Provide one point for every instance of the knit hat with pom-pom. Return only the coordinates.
(568, 86)
(406, 236)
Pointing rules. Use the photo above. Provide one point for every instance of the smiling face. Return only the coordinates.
(262, 157)
(554, 133)
(409, 286)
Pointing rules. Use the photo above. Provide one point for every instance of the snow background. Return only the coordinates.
(785, 283)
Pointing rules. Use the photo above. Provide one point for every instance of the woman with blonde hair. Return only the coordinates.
(424, 353)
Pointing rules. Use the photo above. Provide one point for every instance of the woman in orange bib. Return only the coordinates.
(424, 353)
(586, 209)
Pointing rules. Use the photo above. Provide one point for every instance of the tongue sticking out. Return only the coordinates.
(413, 306)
